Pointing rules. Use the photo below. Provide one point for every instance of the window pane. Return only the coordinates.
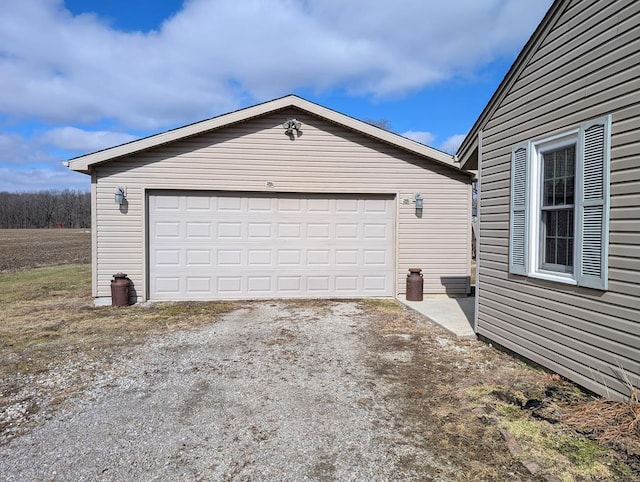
(559, 192)
(560, 163)
(557, 238)
(548, 165)
(570, 224)
(550, 251)
(570, 190)
(558, 176)
(551, 223)
(548, 193)
(561, 256)
(563, 221)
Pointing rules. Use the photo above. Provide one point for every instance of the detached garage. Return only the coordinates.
(284, 199)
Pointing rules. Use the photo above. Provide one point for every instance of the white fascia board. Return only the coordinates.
(84, 163)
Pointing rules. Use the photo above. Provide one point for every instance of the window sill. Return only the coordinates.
(557, 278)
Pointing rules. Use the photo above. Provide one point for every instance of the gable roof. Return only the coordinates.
(84, 163)
(468, 151)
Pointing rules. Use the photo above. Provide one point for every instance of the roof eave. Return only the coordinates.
(469, 157)
(84, 163)
(509, 77)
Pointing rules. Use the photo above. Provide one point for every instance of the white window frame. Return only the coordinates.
(591, 204)
(538, 148)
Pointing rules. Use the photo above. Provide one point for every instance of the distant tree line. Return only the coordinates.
(45, 209)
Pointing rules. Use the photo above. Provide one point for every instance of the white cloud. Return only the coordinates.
(214, 56)
(74, 139)
(16, 150)
(19, 150)
(451, 144)
(58, 71)
(40, 179)
(420, 136)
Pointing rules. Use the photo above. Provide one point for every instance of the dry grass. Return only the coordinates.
(613, 423)
(462, 397)
(53, 306)
(54, 342)
(533, 408)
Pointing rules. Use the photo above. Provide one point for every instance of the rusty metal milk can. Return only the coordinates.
(120, 290)
(415, 284)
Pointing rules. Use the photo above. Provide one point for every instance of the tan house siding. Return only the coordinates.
(326, 158)
(584, 68)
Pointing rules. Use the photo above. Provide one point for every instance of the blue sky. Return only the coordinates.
(80, 75)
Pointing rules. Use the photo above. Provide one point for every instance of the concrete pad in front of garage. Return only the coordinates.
(454, 314)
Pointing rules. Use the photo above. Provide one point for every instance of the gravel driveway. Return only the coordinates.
(272, 391)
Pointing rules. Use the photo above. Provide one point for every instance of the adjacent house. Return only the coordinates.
(283, 199)
(557, 151)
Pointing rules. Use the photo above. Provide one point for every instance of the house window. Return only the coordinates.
(560, 206)
(557, 208)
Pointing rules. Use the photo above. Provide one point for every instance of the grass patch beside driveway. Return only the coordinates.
(54, 341)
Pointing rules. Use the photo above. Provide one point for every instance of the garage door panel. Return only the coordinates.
(199, 229)
(375, 206)
(375, 283)
(346, 284)
(164, 229)
(258, 284)
(318, 205)
(199, 257)
(206, 246)
(289, 230)
(229, 230)
(168, 285)
(198, 204)
(167, 203)
(318, 257)
(229, 204)
(318, 231)
(346, 231)
(230, 257)
(197, 284)
(259, 230)
(259, 257)
(289, 205)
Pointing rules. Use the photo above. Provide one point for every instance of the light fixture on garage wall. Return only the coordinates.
(120, 195)
(292, 127)
(419, 200)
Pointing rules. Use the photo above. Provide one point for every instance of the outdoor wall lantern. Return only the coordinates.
(419, 200)
(292, 127)
(119, 196)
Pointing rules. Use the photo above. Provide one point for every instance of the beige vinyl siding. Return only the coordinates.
(585, 67)
(326, 158)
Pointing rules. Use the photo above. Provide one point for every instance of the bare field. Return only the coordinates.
(29, 248)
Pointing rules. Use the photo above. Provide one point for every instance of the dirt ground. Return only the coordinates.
(282, 390)
(305, 390)
(28, 248)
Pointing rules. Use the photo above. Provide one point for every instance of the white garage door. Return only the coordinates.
(213, 246)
